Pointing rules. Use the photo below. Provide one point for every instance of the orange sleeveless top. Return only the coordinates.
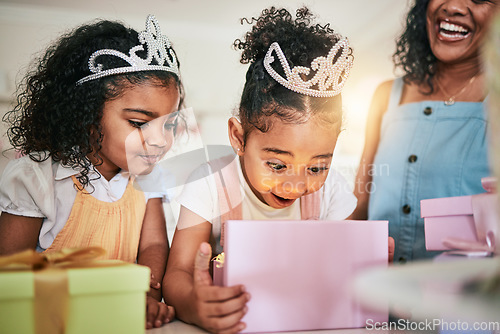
(114, 226)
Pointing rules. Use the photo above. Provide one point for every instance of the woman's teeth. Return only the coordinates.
(450, 29)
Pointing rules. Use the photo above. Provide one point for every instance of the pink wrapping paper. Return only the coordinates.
(299, 272)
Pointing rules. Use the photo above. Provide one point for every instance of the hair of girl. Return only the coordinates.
(57, 118)
(301, 42)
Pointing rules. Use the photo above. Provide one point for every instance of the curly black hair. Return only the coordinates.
(413, 52)
(56, 118)
(301, 41)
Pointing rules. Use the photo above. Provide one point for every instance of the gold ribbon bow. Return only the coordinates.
(219, 260)
(51, 281)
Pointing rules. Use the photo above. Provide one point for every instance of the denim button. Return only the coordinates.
(412, 158)
(428, 111)
(402, 260)
(406, 209)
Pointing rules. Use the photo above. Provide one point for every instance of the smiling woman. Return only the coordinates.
(428, 127)
(457, 31)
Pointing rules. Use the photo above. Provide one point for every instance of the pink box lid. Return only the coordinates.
(299, 272)
(446, 206)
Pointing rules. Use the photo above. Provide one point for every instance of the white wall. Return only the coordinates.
(202, 32)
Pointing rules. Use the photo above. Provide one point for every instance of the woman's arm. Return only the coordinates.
(18, 233)
(362, 184)
(187, 284)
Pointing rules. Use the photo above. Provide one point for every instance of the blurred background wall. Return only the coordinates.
(202, 32)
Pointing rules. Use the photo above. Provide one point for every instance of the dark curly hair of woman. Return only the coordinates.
(56, 118)
(413, 52)
(301, 41)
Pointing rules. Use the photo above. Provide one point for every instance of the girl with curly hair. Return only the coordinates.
(426, 132)
(99, 109)
(289, 119)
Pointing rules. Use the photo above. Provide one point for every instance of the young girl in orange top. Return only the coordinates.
(99, 110)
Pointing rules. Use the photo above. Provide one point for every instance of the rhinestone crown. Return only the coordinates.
(330, 74)
(158, 47)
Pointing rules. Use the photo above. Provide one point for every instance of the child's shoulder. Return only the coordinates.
(27, 187)
(223, 162)
(26, 168)
(227, 165)
(338, 198)
(336, 183)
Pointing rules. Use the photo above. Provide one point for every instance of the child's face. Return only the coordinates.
(138, 129)
(289, 161)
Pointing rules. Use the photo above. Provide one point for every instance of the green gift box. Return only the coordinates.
(101, 297)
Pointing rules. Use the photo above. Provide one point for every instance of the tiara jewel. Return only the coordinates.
(330, 75)
(158, 47)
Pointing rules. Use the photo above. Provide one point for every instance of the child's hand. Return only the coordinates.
(219, 309)
(392, 246)
(157, 313)
(153, 283)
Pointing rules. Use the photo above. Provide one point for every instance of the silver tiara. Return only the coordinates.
(158, 47)
(330, 74)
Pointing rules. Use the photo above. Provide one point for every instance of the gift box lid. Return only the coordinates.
(115, 278)
(446, 206)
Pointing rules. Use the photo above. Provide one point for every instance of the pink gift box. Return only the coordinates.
(448, 217)
(465, 223)
(299, 273)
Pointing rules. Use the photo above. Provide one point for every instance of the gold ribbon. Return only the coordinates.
(219, 260)
(51, 281)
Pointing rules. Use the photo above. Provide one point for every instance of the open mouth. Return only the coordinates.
(452, 31)
(283, 201)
